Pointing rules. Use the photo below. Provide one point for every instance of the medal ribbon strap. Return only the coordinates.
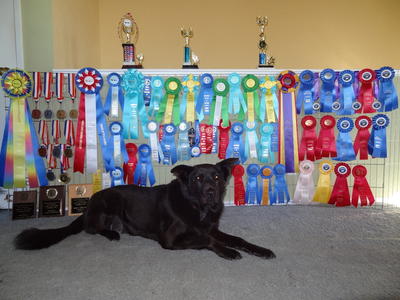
(115, 95)
(55, 131)
(308, 142)
(236, 147)
(130, 165)
(168, 144)
(48, 84)
(366, 78)
(340, 194)
(252, 144)
(304, 191)
(183, 142)
(157, 94)
(252, 187)
(64, 159)
(80, 142)
(347, 95)
(363, 123)
(37, 86)
(387, 93)
(239, 191)
(250, 84)
(60, 86)
(223, 140)
(281, 192)
(144, 168)
(69, 132)
(44, 132)
(51, 160)
(305, 95)
(71, 86)
(266, 175)
(327, 92)
(344, 144)
(361, 190)
(324, 188)
(265, 154)
(326, 143)
(377, 142)
(237, 103)
(205, 97)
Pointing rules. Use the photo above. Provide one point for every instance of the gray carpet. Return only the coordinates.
(322, 253)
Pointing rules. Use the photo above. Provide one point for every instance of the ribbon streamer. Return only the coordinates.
(340, 194)
(363, 123)
(219, 108)
(236, 100)
(236, 146)
(190, 85)
(327, 92)
(305, 95)
(366, 78)
(183, 142)
(252, 144)
(250, 84)
(326, 144)
(205, 97)
(387, 94)
(169, 111)
(266, 174)
(361, 191)
(144, 169)
(265, 153)
(116, 146)
(168, 144)
(308, 142)
(115, 95)
(37, 86)
(304, 191)
(71, 86)
(344, 145)
(156, 152)
(377, 142)
(147, 90)
(157, 94)
(347, 95)
(239, 191)
(130, 165)
(281, 192)
(223, 140)
(60, 86)
(253, 195)
(324, 189)
(47, 85)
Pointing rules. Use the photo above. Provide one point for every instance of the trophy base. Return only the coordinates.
(190, 66)
(265, 66)
(132, 67)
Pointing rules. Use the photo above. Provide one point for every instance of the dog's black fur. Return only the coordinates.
(183, 214)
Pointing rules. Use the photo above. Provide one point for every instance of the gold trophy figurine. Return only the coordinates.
(128, 33)
(264, 60)
(190, 60)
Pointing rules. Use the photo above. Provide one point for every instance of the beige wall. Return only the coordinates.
(302, 34)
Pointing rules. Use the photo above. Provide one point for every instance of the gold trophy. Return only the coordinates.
(264, 60)
(190, 60)
(128, 33)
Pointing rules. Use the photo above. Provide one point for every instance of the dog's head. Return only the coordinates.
(205, 183)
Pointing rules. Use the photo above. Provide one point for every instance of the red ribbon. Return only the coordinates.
(44, 132)
(309, 138)
(160, 132)
(361, 189)
(80, 142)
(340, 194)
(326, 144)
(206, 138)
(64, 159)
(130, 166)
(239, 192)
(363, 123)
(223, 139)
(60, 86)
(366, 92)
(51, 160)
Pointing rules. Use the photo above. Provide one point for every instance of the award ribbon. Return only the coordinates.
(326, 144)
(215, 139)
(168, 144)
(117, 145)
(190, 86)
(236, 100)
(239, 192)
(117, 176)
(387, 94)
(89, 82)
(253, 195)
(250, 84)
(147, 90)
(205, 97)
(104, 136)
(130, 165)
(132, 84)
(236, 146)
(361, 191)
(366, 91)
(115, 95)
(71, 86)
(305, 95)
(275, 138)
(347, 95)
(269, 100)
(183, 142)
(340, 194)
(377, 141)
(266, 174)
(344, 145)
(327, 92)
(308, 142)
(324, 188)
(281, 192)
(156, 152)
(144, 168)
(170, 103)
(157, 94)
(288, 139)
(252, 144)
(363, 123)
(265, 153)
(206, 138)
(220, 105)
(304, 191)
(223, 139)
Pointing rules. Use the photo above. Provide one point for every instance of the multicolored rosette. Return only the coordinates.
(327, 93)
(366, 79)
(219, 107)
(250, 85)
(239, 191)
(362, 193)
(205, 97)
(304, 191)
(387, 94)
(363, 123)
(266, 174)
(190, 85)
(347, 95)
(236, 146)
(288, 139)
(269, 105)
(305, 95)
(19, 156)
(169, 111)
(377, 142)
(340, 194)
(144, 169)
(281, 192)
(308, 142)
(237, 105)
(324, 188)
(344, 145)
(253, 195)
(115, 95)
(168, 144)
(326, 144)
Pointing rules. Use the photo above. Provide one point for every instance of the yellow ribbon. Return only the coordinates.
(18, 113)
(265, 195)
(324, 188)
(269, 104)
(97, 181)
(168, 109)
(250, 107)
(190, 84)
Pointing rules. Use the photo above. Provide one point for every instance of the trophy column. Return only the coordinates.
(128, 33)
(264, 61)
(190, 60)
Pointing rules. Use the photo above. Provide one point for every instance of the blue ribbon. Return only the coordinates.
(147, 90)
(275, 138)
(215, 140)
(281, 192)
(236, 147)
(249, 134)
(117, 176)
(3, 152)
(195, 151)
(157, 94)
(327, 96)
(144, 168)
(236, 99)
(102, 132)
(387, 94)
(132, 83)
(265, 153)
(344, 144)
(183, 142)
(305, 95)
(347, 95)
(168, 144)
(253, 195)
(111, 145)
(205, 97)
(377, 141)
(114, 80)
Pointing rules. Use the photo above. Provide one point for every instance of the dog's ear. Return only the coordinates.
(182, 171)
(226, 166)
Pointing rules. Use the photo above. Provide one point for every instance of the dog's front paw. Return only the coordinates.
(229, 253)
(263, 252)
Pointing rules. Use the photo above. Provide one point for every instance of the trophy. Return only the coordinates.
(190, 60)
(264, 60)
(128, 33)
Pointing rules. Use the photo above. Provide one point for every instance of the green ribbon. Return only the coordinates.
(250, 84)
(221, 88)
(172, 87)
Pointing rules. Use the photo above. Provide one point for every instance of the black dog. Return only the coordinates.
(183, 214)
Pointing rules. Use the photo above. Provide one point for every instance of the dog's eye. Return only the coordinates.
(197, 178)
(216, 177)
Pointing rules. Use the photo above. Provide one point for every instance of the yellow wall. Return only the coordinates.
(302, 34)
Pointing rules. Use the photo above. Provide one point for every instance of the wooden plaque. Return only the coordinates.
(52, 201)
(24, 205)
(78, 198)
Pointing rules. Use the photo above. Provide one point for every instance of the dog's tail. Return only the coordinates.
(34, 238)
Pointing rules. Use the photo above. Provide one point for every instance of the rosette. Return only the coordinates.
(305, 94)
(236, 146)
(239, 191)
(266, 174)
(223, 139)
(377, 142)
(361, 190)
(309, 139)
(347, 95)
(170, 104)
(326, 144)
(265, 153)
(250, 85)
(237, 105)
(269, 101)
(281, 192)
(344, 145)
(168, 144)
(219, 110)
(304, 191)
(115, 95)
(366, 78)
(327, 92)
(387, 94)
(252, 144)
(340, 194)
(324, 189)
(157, 94)
(144, 169)
(253, 195)
(190, 85)
(363, 123)
(205, 97)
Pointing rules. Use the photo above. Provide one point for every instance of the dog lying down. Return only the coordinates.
(183, 214)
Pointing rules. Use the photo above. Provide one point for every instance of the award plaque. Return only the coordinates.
(24, 205)
(128, 33)
(190, 60)
(52, 201)
(78, 198)
(264, 60)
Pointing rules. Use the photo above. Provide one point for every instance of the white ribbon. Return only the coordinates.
(305, 184)
(217, 110)
(106, 180)
(114, 101)
(91, 135)
(117, 150)
(154, 146)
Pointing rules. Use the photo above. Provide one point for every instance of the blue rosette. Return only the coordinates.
(377, 142)
(344, 144)
(347, 95)
(253, 195)
(305, 95)
(205, 96)
(144, 168)
(387, 94)
(168, 144)
(236, 99)
(265, 153)
(236, 146)
(280, 192)
(117, 175)
(327, 95)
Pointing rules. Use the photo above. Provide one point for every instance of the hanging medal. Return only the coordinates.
(157, 94)
(130, 165)
(269, 106)
(366, 78)
(61, 114)
(223, 139)
(266, 174)
(43, 137)
(377, 142)
(252, 144)
(239, 191)
(56, 146)
(253, 195)
(363, 123)
(69, 133)
(324, 188)
(327, 92)
(144, 169)
(169, 107)
(304, 191)
(115, 96)
(73, 113)
(305, 95)
(307, 149)
(237, 103)
(387, 94)
(168, 144)
(36, 94)
(236, 146)
(219, 109)
(265, 153)
(117, 177)
(344, 144)
(362, 193)
(281, 192)
(326, 144)
(48, 93)
(340, 194)
(250, 85)
(205, 97)
(183, 142)
(347, 96)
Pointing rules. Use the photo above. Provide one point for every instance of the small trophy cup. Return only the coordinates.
(264, 60)
(190, 60)
(128, 33)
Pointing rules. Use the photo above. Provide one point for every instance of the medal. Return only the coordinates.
(36, 114)
(50, 175)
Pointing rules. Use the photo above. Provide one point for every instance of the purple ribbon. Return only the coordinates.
(288, 131)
